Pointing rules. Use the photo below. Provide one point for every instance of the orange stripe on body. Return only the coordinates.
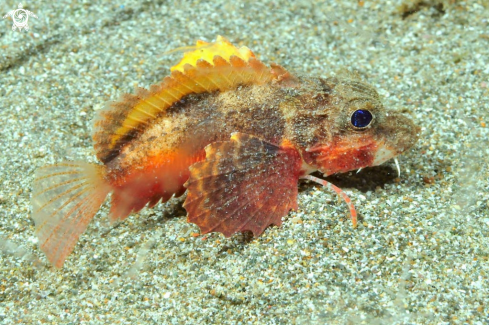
(158, 178)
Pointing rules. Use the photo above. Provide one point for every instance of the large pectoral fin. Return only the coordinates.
(243, 184)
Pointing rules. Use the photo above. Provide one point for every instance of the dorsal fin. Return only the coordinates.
(210, 67)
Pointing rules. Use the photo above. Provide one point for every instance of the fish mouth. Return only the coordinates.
(399, 134)
(383, 153)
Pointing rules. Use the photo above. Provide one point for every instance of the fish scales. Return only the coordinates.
(235, 134)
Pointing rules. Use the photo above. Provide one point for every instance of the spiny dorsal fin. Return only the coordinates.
(210, 67)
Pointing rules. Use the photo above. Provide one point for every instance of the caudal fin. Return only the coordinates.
(65, 198)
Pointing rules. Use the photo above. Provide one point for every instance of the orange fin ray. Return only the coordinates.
(219, 66)
(261, 221)
(242, 185)
(220, 177)
(65, 198)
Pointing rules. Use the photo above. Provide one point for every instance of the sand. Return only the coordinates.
(420, 253)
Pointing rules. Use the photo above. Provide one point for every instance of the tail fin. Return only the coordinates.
(65, 198)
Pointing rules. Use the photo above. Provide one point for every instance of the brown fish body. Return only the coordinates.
(155, 164)
(233, 133)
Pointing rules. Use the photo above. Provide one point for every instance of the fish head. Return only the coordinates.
(357, 130)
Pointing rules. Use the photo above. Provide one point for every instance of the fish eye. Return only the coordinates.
(361, 118)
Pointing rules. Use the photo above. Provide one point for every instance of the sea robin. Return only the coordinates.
(237, 135)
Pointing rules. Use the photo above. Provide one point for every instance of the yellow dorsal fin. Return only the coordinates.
(209, 67)
(206, 51)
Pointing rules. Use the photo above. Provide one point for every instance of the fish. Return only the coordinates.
(233, 133)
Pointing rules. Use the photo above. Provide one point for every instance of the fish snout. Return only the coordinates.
(399, 135)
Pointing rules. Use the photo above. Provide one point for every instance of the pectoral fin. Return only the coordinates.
(243, 184)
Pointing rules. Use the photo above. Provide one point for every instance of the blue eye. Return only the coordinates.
(361, 118)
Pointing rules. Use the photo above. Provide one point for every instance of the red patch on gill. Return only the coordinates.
(343, 155)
